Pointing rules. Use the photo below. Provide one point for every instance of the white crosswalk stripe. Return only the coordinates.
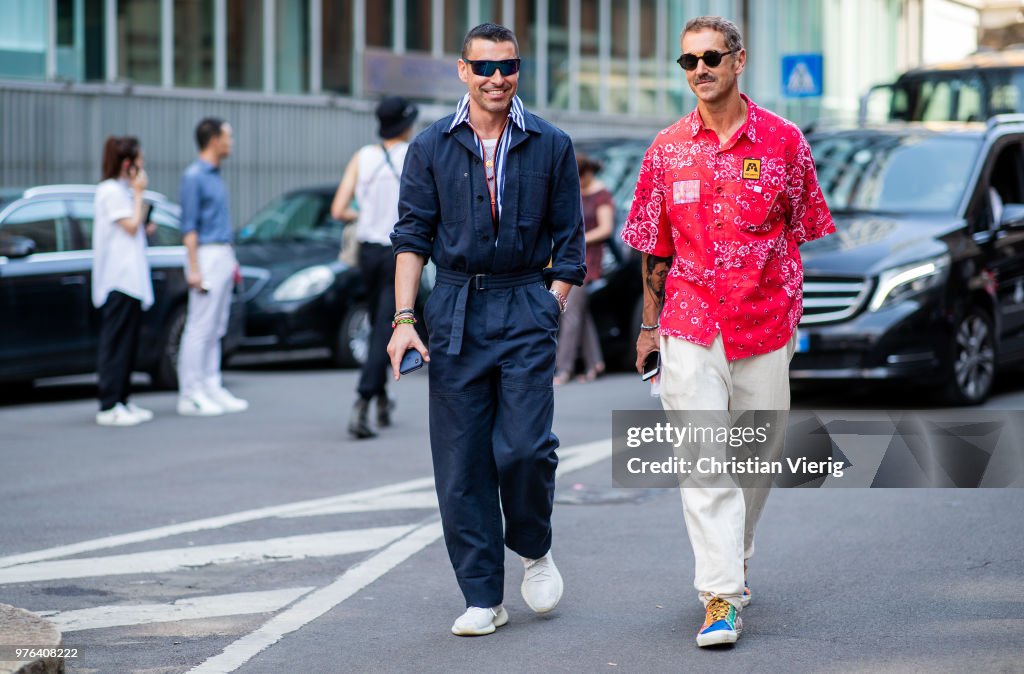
(194, 608)
(181, 559)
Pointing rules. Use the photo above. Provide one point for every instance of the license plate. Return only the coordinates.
(803, 342)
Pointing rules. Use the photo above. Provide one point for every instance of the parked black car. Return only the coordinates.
(924, 280)
(298, 293)
(49, 326)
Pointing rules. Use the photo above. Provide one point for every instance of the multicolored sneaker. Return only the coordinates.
(721, 624)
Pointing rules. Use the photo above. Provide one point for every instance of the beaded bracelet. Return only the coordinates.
(404, 311)
(648, 328)
(411, 320)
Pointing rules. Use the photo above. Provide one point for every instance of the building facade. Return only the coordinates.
(298, 78)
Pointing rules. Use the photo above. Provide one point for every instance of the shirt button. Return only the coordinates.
(719, 263)
(479, 197)
(721, 300)
(718, 190)
(718, 225)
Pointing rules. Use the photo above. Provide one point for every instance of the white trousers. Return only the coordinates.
(720, 521)
(207, 321)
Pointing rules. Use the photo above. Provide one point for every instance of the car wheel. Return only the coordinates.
(971, 365)
(165, 375)
(352, 342)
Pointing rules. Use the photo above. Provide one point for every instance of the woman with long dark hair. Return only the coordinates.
(121, 285)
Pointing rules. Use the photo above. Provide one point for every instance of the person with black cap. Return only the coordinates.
(373, 176)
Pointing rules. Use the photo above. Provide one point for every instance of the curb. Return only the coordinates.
(21, 628)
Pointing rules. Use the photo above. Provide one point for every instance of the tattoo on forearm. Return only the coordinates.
(655, 273)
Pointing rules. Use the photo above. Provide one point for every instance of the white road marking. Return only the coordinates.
(419, 500)
(320, 602)
(194, 608)
(177, 559)
(207, 523)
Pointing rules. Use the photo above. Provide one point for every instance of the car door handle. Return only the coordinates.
(72, 281)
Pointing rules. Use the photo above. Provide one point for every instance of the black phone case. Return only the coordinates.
(411, 361)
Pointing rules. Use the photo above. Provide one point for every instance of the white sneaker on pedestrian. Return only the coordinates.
(478, 621)
(141, 412)
(226, 400)
(118, 415)
(542, 584)
(198, 405)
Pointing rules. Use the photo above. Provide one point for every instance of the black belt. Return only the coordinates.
(478, 282)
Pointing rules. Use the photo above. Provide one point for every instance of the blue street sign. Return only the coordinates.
(802, 75)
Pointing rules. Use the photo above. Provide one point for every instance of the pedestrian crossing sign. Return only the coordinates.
(802, 75)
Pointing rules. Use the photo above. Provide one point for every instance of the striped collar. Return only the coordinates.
(517, 113)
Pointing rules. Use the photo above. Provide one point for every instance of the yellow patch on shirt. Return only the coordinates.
(752, 169)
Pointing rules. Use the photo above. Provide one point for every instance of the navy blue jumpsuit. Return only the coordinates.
(492, 327)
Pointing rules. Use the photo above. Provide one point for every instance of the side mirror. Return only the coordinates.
(1012, 217)
(16, 246)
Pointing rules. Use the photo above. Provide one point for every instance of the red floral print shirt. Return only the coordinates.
(732, 217)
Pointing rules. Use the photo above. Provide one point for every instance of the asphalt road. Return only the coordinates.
(269, 542)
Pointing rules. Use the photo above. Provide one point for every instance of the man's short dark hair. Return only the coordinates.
(208, 129)
(728, 29)
(492, 32)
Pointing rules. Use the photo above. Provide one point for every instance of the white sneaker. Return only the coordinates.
(140, 412)
(226, 400)
(118, 415)
(542, 584)
(478, 621)
(198, 405)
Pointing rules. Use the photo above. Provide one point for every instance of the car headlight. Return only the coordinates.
(305, 284)
(903, 282)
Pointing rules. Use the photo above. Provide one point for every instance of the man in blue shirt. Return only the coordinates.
(210, 269)
(492, 194)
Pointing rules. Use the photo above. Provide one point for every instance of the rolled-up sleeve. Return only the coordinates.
(810, 218)
(565, 213)
(188, 197)
(419, 207)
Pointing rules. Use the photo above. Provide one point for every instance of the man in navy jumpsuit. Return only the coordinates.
(492, 195)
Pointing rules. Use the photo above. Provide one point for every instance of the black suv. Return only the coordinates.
(924, 279)
(49, 326)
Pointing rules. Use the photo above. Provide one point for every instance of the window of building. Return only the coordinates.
(456, 24)
(647, 83)
(193, 43)
(618, 83)
(23, 39)
(419, 25)
(379, 24)
(80, 27)
(525, 28)
(558, 54)
(337, 46)
(138, 40)
(245, 44)
(292, 46)
(590, 67)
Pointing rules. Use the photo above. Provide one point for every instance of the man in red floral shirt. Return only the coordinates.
(724, 198)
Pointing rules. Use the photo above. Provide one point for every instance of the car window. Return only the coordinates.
(305, 215)
(167, 232)
(45, 222)
(883, 172)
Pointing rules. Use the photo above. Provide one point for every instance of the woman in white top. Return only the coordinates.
(373, 177)
(121, 284)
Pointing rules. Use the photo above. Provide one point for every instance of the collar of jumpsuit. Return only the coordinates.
(732, 217)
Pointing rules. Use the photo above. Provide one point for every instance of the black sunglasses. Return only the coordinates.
(486, 68)
(712, 59)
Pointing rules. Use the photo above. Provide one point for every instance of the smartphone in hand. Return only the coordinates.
(411, 361)
(652, 366)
